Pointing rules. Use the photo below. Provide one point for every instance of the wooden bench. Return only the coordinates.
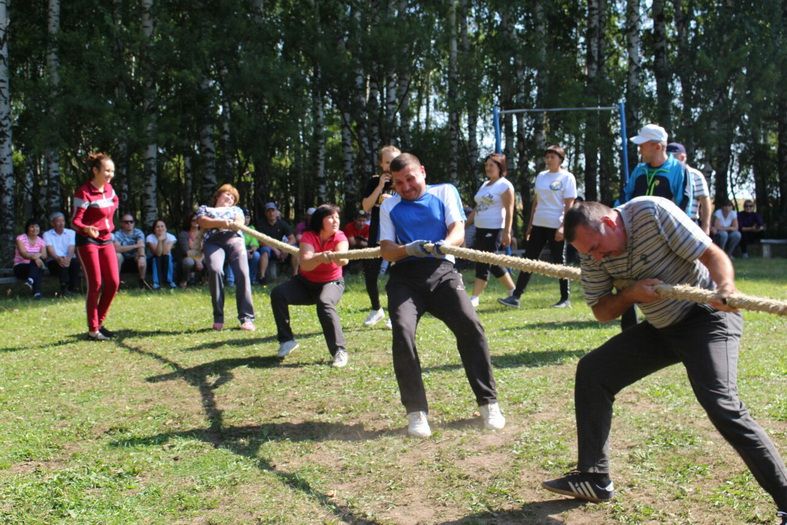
(769, 244)
(7, 276)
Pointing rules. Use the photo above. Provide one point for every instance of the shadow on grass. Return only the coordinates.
(521, 360)
(246, 440)
(537, 512)
(557, 325)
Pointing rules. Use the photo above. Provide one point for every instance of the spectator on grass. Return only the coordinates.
(130, 249)
(160, 244)
(651, 241)
(29, 257)
(277, 228)
(223, 242)
(493, 217)
(725, 228)
(357, 232)
(304, 224)
(319, 281)
(554, 193)
(61, 250)
(190, 251)
(751, 226)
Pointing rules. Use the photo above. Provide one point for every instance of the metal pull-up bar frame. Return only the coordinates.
(621, 108)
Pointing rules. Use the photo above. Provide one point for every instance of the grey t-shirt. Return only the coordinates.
(662, 243)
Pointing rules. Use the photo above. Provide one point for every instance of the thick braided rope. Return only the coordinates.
(679, 292)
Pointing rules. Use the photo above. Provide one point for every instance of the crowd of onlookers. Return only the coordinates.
(161, 259)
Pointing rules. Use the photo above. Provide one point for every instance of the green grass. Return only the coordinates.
(175, 423)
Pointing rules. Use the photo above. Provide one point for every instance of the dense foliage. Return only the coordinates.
(290, 100)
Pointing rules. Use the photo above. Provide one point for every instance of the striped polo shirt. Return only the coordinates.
(662, 243)
(700, 190)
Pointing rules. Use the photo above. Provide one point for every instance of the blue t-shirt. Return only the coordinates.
(128, 239)
(671, 181)
(427, 218)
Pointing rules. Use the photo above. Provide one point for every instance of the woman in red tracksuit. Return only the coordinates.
(95, 203)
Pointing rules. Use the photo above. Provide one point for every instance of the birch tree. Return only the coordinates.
(53, 186)
(7, 207)
(150, 182)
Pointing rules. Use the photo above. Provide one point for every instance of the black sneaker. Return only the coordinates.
(109, 334)
(581, 486)
(510, 301)
(97, 336)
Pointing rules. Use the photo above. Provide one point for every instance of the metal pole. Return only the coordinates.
(496, 120)
(624, 140)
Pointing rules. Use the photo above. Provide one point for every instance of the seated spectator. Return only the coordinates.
(189, 251)
(357, 232)
(61, 251)
(304, 224)
(725, 228)
(130, 247)
(274, 226)
(29, 257)
(751, 226)
(319, 282)
(160, 244)
(253, 252)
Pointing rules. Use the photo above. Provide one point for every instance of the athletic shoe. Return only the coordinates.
(29, 282)
(783, 515)
(564, 303)
(509, 301)
(417, 424)
(492, 416)
(374, 317)
(286, 347)
(474, 300)
(581, 486)
(388, 324)
(97, 336)
(248, 326)
(109, 334)
(37, 296)
(218, 326)
(340, 359)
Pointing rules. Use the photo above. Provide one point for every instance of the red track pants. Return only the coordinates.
(100, 266)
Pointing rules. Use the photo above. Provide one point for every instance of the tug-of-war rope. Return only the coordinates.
(667, 291)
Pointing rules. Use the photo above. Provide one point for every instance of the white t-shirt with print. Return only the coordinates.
(489, 210)
(725, 221)
(551, 189)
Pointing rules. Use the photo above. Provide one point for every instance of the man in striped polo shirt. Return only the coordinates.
(649, 241)
(701, 207)
(421, 282)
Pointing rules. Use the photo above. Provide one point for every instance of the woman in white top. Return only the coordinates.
(725, 228)
(555, 191)
(160, 261)
(493, 216)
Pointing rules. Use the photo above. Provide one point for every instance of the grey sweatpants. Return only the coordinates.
(707, 343)
(216, 249)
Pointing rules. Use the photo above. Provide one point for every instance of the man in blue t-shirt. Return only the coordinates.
(417, 217)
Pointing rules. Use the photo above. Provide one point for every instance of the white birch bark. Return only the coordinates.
(453, 106)
(348, 156)
(54, 200)
(7, 206)
(150, 159)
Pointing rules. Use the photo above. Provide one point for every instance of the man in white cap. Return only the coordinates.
(659, 174)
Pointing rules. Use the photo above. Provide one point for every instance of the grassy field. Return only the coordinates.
(175, 423)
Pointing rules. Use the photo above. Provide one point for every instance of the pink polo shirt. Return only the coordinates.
(326, 272)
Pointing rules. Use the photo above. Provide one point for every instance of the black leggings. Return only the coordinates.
(540, 237)
(486, 240)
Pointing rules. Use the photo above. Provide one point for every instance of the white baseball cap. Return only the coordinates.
(650, 133)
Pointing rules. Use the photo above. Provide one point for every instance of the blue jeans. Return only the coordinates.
(162, 266)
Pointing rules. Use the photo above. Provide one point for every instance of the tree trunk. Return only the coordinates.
(593, 62)
(472, 89)
(633, 79)
(7, 205)
(348, 166)
(684, 70)
(188, 185)
(207, 145)
(150, 183)
(54, 198)
(453, 106)
(318, 139)
(373, 118)
(660, 67)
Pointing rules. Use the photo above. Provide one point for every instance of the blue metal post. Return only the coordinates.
(496, 120)
(624, 140)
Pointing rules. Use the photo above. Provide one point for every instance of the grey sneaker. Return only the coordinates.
(565, 303)
(510, 301)
(286, 347)
(340, 359)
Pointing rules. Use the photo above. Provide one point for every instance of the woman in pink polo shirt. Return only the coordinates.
(319, 281)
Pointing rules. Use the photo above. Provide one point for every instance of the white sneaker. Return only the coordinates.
(417, 424)
(388, 324)
(340, 359)
(474, 300)
(286, 347)
(374, 317)
(492, 416)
